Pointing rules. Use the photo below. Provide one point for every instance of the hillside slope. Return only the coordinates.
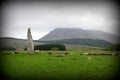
(18, 44)
(80, 41)
(104, 35)
(68, 33)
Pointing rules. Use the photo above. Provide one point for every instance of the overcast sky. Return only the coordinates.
(42, 17)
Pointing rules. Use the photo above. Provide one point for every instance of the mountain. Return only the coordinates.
(66, 33)
(70, 33)
(104, 36)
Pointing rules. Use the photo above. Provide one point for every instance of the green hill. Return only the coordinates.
(81, 41)
(18, 44)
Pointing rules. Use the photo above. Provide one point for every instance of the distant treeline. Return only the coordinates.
(55, 47)
(113, 47)
(7, 49)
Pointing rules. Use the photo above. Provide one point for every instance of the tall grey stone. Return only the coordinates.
(30, 44)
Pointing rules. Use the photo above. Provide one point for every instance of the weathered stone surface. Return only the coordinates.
(30, 44)
(37, 51)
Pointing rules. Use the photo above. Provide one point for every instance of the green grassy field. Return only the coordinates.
(73, 66)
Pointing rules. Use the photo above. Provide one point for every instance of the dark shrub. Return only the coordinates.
(16, 52)
(94, 54)
(66, 53)
(50, 53)
(81, 54)
(89, 54)
(102, 54)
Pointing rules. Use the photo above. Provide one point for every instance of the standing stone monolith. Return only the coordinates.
(30, 44)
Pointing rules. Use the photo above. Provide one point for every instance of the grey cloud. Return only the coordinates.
(43, 17)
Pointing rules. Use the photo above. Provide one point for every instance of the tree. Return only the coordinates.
(50, 47)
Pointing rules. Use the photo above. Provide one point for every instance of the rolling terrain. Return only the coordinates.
(18, 44)
(67, 36)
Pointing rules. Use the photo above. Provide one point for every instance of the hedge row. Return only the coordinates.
(54, 47)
